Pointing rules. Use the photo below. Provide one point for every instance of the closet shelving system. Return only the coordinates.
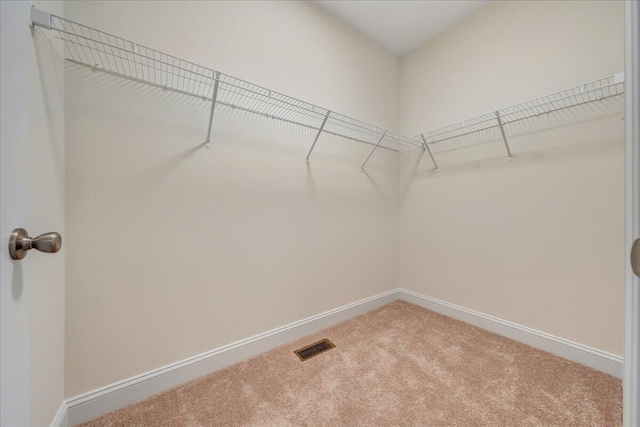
(597, 90)
(101, 51)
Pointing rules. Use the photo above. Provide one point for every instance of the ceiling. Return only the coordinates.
(399, 25)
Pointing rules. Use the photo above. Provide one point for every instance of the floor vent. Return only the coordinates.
(314, 349)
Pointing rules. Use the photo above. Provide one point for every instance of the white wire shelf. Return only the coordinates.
(101, 51)
(597, 90)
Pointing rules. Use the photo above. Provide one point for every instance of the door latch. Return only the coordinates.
(635, 257)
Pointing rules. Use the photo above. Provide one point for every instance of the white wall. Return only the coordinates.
(538, 241)
(32, 197)
(174, 249)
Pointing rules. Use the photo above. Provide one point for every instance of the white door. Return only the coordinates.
(31, 197)
(632, 294)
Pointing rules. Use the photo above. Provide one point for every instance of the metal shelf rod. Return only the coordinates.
(521, 108)
(515, 120)
(224, 104)
(374, 149)
(318, 135)
(504, 137)
(101, 51)
(426, 146)
(207, 142)
(127, 51)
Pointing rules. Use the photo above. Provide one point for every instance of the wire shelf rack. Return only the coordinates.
(101, 51)
(115, 55)
(597, 90)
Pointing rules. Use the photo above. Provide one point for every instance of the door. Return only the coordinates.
(632, 156)
(31, 197)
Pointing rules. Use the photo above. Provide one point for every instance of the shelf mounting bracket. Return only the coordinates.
(374, 149)
(504, 136)
(318, 135)
(426, 146)
(207, 142)
(40, 18)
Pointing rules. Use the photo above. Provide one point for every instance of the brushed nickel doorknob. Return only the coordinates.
(20, 243)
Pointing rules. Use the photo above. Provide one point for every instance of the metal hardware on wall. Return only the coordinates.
(596, 90)
(20, 243)
(108, 53)
(104, 52)
(374, 149)
(40, 18)
(324, 122)
(207, 142)
(426, 147)
(504, 137)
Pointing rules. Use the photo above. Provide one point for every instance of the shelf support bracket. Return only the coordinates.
(374, 149)
(426, 146)
(504, 136)
(318, 135)
(207, 142)
(40, 18)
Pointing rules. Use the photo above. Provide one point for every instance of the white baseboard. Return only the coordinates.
(97, 402)
(100, 401)
(591, 357)
(60, 419)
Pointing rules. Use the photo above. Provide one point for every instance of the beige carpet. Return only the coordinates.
(398, 365)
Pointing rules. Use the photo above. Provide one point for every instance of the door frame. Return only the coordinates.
(631, 380)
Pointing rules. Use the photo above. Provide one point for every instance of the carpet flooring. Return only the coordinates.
(399, 365)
